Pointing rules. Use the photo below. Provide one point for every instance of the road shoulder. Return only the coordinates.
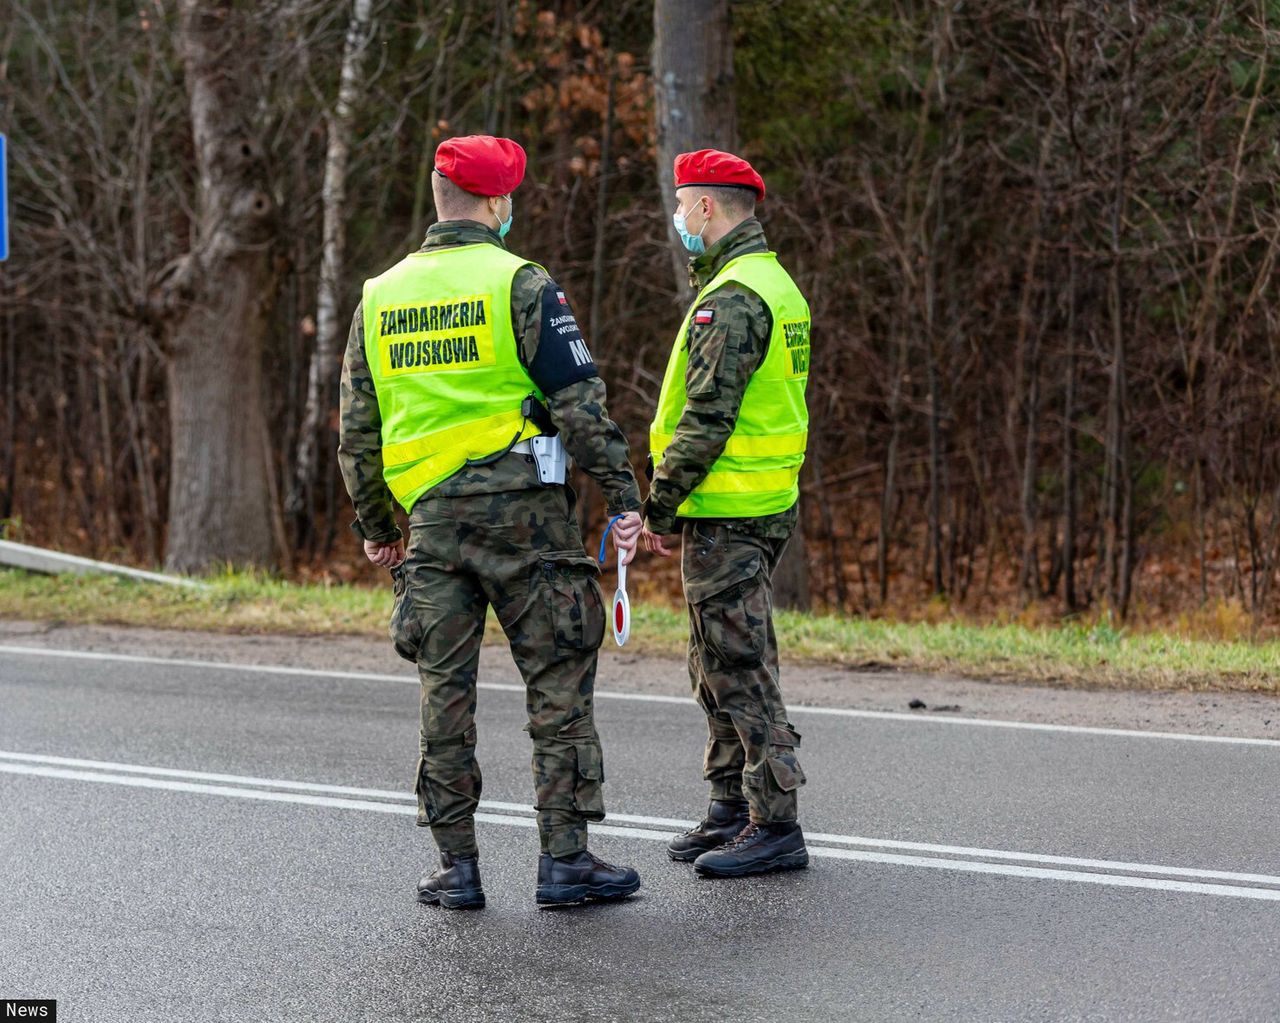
(1201, 713)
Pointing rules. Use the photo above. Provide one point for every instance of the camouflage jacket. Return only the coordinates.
(574, 391)
(723, 355)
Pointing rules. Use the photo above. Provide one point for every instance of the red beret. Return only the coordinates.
(482, 164)
(712, 167)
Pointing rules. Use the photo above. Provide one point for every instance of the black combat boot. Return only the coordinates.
(757, 849)
(565, 880)
(724, 819)
(455, 884)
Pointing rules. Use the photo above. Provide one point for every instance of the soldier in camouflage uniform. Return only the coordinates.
(492, 534)
(729, 555)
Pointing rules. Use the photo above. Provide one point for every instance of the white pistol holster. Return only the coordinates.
(549, 457)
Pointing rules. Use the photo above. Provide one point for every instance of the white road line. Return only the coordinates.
(301, 786)
(388, 801)
(1046, 874)
(204, 776)
(932, 863)
(1033, 726)
(1067, 861)
(174, 785)
(875, 715)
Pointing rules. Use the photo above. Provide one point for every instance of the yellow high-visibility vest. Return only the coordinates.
(442, 351)
(758, 473)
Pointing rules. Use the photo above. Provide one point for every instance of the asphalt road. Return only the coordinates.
(195, 842)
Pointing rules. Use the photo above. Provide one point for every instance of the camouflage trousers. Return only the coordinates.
(522, 553)
(733, 666)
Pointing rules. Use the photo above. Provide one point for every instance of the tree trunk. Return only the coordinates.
(9, 449)
(834, 558)
(322, 391)
(693, 86)
(1068, 449)
(219, 505)
(1029, 576)
(602, 212)
(889, 493)
(791, 578)
(1119, 489)
(935, 470)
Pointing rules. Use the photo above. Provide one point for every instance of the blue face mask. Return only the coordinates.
(692, 242)
(505, 225)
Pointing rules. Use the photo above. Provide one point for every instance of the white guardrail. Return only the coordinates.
(37, 559)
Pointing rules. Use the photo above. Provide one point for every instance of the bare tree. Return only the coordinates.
(218, 299)
(1038, 274)
(321, 390)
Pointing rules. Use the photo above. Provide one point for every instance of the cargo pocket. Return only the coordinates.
(786, 771)
(577, 605)
(784, 735)
(406, 625)
(782, 762)
(422, 789)
(451, 758)
(732, 605)
(588, 796)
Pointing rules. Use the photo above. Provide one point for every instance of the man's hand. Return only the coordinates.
(663, 546)
(626, 533)
(385, 555)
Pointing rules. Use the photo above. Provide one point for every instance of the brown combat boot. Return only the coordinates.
(567, 880)
(455, 884)
(757, 849)
(724, 819)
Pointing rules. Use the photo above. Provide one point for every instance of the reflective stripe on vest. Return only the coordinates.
(758, 472)
(788, 444)
(442, 353)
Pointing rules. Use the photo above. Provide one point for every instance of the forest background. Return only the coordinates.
(1039, 241)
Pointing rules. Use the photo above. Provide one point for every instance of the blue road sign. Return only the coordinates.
(4, 202)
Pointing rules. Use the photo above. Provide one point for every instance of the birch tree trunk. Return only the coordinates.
(219, 298)
(323, 375)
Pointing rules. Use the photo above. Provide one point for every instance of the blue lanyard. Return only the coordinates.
(606, 535)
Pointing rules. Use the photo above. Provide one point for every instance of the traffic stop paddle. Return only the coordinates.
(621, 616)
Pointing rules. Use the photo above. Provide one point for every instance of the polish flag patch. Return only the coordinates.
(704, 316)
(561, 299)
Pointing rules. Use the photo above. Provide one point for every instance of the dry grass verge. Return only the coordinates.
(1076, 654)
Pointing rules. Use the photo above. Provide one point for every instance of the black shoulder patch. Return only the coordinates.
(562, 357)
